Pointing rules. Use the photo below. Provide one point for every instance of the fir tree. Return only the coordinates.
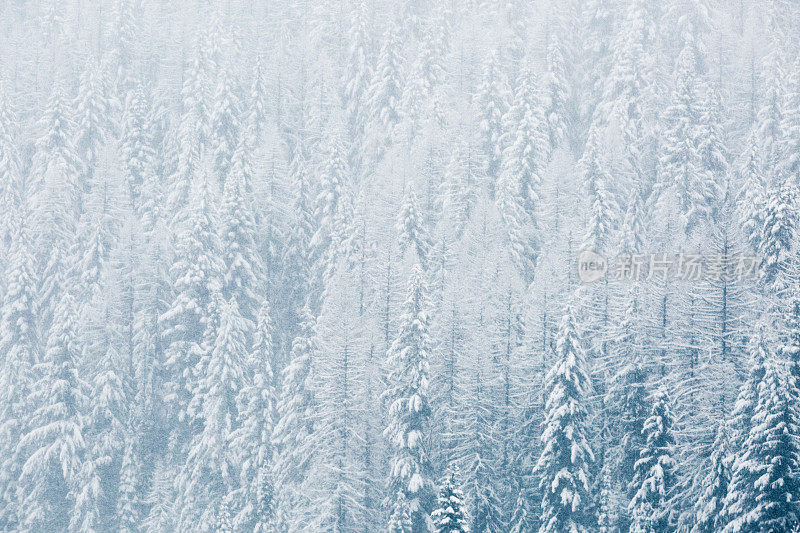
(412, 234)
(409, 409)
(564, 465)
(448, 517)
(20, 345)
(763, 489)
(654, 476)
(52, 446)
(400, 520)
(708, 508)
(385, 92)
(224, 127)
(491, 103)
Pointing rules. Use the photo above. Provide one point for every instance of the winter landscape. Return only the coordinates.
(400, 265)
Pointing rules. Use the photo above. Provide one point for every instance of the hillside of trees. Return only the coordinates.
(304, 265)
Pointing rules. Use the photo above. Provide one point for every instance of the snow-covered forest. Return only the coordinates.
(400, 265)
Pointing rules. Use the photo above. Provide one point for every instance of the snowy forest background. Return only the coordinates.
(312, 266)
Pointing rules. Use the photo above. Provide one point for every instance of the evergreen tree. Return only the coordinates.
(603, 209)
(687, 182)
(708, 508)
(655, 477)
(20, 345)
(778, 234)
(295, 424)
(385, 92)
(491, 103)
(400, 520)
(412, 234)
(92, 111)
(210, 469)
(224, 128)
(52, 446)
(523, 159)
(564, 465)
(407, 394)
(764, 488)
(12, 192)
(252, 440)
(449, 516)
(136, 147)
(187, 321)
(556, 94)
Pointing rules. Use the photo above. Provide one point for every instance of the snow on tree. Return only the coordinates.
(411, 230)
(12, 192)
(400, 520)
(708, 508)
(52, 446)
(224, 127)
(20, 345)
(565, 463)
(210, 469)
(459, 188)
(603, 209)
(523, 160)
(92, 111)
(252, 440)
(687, 184)
(764, 488)
(192, 135)
(242, 277)
(195, 277)
(295, 423)
(491, 102)
(386, 89)
(448, 517)
(778, 234)
(655, 476)
(136, 147)
(556, 94)
(407, 394)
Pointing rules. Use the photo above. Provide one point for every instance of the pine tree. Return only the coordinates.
(789, 165)
(52, 446)
(708, 508)
(385, 92)
(400, 520)
(224, 127)
(556, 94)
(764, 488)
(12, 192)
(603, 209)
(407, 395)
(655, 477)
(252, 440)
(411, 230)
(523, 159)
(20, 345)
(242, 276)
(449, 516)
(778, 234)
(564, 465)
(686, 180)
(491, 103)
(129, 506)
(92, 111)
(295, 424)
(191, 135)
(209, 472)
(136, 148)
(196, 276)
(744, 408)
